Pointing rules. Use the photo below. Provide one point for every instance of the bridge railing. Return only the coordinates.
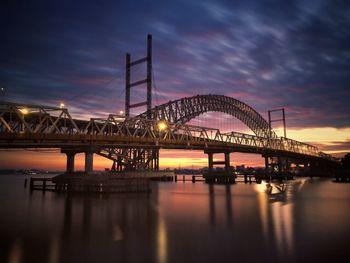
(26, 118)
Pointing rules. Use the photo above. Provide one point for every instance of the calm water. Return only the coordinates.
(309, 221)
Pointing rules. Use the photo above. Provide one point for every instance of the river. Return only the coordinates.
(304, 220)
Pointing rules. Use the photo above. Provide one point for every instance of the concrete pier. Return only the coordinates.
(70, 162)
(89, 159)
(225, 176)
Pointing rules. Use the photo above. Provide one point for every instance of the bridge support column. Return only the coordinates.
(70, 162)
(224, 175)
(155, 160)
(267, 172)
(266, 165)
(227, 163)
(89, 157)
(210, 162)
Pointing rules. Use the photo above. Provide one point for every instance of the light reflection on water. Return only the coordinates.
(177, 222)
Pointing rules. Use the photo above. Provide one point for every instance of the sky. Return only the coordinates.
(268, 54)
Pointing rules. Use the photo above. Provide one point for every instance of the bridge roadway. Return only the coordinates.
(35, 126)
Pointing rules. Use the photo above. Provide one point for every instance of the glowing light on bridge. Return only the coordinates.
(24, 111)
(62, 105)
(162, 125)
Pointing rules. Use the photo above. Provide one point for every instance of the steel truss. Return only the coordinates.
(131, 158)
(185, 109)
(30, 126)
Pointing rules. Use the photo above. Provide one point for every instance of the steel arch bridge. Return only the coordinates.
(185, 109)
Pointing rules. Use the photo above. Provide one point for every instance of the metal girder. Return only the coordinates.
(131, 158)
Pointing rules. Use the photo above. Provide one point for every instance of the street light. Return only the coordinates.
(121, 112)
(61, 105)
(24, 111)
(162, 125)
(3, 92)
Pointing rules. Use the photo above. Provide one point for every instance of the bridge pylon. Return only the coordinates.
(135, 158)
(148, 80)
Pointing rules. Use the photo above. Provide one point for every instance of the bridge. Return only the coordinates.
(133, 143)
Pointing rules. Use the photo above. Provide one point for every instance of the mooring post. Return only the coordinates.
(31, 183)
(245, 178)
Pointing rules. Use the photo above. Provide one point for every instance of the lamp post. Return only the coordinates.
(24, 112)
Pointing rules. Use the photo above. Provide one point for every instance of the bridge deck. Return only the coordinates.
(48, 127)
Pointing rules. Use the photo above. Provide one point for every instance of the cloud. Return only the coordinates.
(292, 54)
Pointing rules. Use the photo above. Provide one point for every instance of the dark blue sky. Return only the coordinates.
(292, 54)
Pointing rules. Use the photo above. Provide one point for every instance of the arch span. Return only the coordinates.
(185, 109)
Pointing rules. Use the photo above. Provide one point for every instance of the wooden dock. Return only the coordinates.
(41, 183)
(231, 179)
(194, 178)
(124, 182)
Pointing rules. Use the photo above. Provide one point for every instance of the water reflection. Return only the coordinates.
(176, 223)
(276, 214)
(54, 253)
(162, 241)
(211, 204)
(90, 224)
(228, 204)
(15, 255)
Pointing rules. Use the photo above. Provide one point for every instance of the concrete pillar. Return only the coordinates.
(280, 164)
(266, 165)
(70, 162)
(89, 157)
(210, 162)
(227, 162)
